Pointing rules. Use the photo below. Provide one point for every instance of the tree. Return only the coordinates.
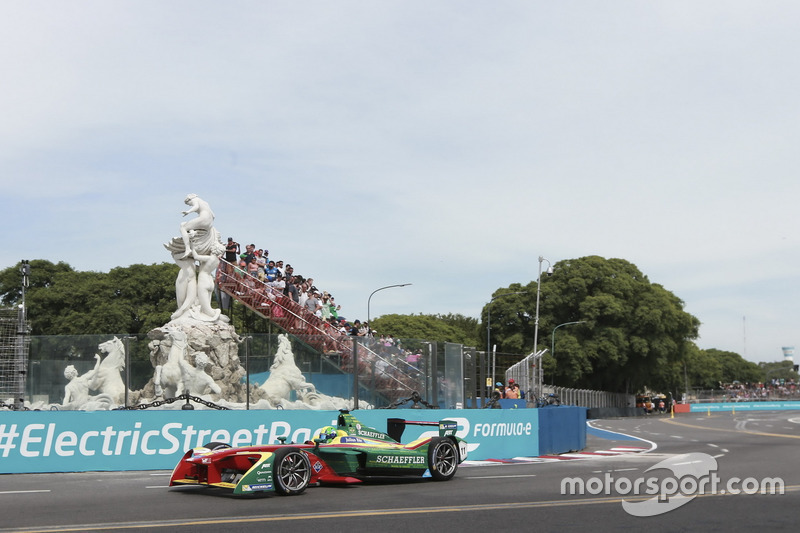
(449, 328)
(733, 367)
(779, 370)
(633, 331)
(42, 274)
(703, 370)
(62, 301)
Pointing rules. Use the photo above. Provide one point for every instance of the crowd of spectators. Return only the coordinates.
(281, 281)
(774, 389)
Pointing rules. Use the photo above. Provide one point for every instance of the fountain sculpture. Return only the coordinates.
(196, 352)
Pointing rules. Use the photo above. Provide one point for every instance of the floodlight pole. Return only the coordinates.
(369, 334)
(489, 331)
(369, 326)
(536, 320)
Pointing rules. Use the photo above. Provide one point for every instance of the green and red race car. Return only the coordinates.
(349, 452)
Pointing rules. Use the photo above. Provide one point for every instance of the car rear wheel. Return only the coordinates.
(291, 470)
(442, 458)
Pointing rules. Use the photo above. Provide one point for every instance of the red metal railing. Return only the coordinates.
(390, 381)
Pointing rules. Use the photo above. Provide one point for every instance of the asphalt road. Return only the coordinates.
(753, 447)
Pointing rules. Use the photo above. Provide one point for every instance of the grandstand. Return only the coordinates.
(391, 381)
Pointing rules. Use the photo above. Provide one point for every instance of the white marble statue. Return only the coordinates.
(197, 351)
(203, 222)
(76, 393)
(107, 378)
(197, 253)
(195, 379)
(285, 377)
(168, 378)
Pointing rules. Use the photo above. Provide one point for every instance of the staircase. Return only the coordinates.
(391, 380)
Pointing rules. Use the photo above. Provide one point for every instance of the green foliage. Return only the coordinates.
(708, 369)
(632, 331)
(733, 367)
(779, 370)
(703, 370)
(62, 301)
(42, 274)
(437, 328)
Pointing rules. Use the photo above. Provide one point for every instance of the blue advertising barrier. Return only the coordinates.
(77, 441)
(561, 429)
(744, 406)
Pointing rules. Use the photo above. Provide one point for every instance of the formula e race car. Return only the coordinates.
(346, 453)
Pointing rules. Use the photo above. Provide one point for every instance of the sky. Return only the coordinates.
(446, 144)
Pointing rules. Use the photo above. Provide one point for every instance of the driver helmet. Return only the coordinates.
(326, 434)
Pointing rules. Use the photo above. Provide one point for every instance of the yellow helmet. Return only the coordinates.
(326, 434)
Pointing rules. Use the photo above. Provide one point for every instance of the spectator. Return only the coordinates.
(277, 286)
(232, 250)
(252, 266)
(303, 297)
(325, 307)
(291, 289)
(249, 253)
(511, 391)
(261, 268)
(313, 304)
(520, 392)
(271, 272)
(334, 308)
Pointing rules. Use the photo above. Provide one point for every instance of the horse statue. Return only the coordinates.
(106, 377)
(169, 376)
(285, 377)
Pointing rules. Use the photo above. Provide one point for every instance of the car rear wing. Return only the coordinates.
(396, 426)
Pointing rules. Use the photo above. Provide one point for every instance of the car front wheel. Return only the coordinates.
(291, 471)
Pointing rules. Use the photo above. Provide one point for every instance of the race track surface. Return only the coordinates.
(521, 494)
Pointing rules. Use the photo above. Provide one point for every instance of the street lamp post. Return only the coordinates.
(369, 334)
(489, 328)
(553, 343)
(536, 319)
(369, 328)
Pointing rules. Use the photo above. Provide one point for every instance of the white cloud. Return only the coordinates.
(445, 144)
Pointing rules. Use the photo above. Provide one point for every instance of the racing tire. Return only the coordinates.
(442, 458)
(291, 471)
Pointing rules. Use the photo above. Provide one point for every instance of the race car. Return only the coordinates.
(349, 452)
